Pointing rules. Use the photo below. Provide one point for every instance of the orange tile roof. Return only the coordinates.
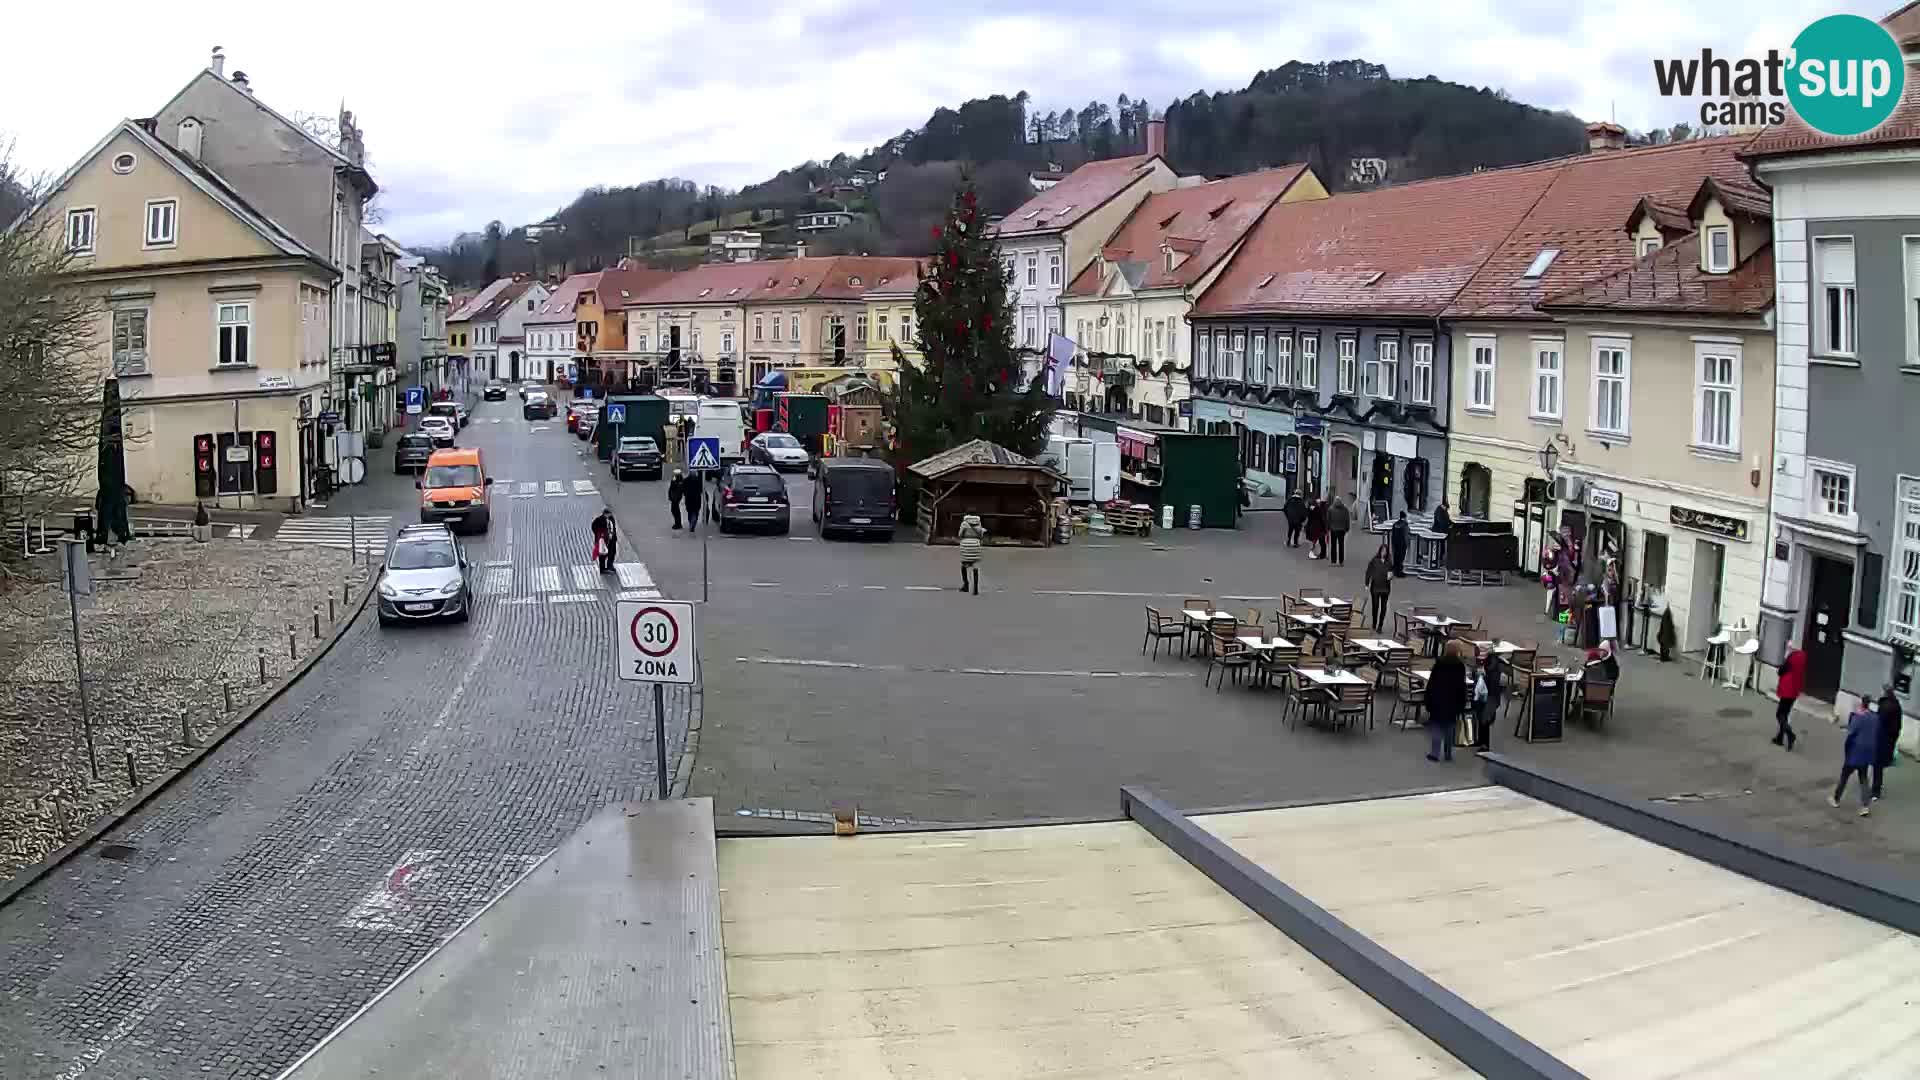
(1403, 250)
(501, 301)
(828, 277)
(1204, 221)
(1081, 192)
(1795, 137)
(620, 284)
(1670, 281)
(1580, 214)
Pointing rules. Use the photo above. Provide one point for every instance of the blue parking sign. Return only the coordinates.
(416, 399)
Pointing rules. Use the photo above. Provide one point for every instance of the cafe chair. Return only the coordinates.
(1410, 699)
(1275, 666)
(1221, 631)
(1228, 656)
(1194, 630)
(1252, 619)
(1313, 593)
(1351, 704)
(1744, 652)
(1303, 696)
(1341, 613)
(1161, 628)
(1393, 668)
(1596, 701)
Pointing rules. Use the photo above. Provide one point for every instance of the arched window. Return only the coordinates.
(1476, 490)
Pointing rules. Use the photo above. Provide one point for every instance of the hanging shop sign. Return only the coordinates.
(1605, 499)
(1686, 517)
(1309, 425)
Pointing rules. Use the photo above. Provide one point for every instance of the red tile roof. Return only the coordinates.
(501, 301)
(1904, 24)
(1580, 215)
(624, 282)
(1403, 250)
(465, 311)
(1737, 202)
(1901, 128)
(559, 305)
(1079, 194)
(1670, 281)
(896, 283)
(832, 277)
(1204, 221)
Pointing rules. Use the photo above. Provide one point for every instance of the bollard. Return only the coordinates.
(346, 592)
(292, 643)
(133, 777)
(186, 733)
(262, 649)
(59, 813)
(331, 614)
(316, 622)
(353, 540)
(226, 690)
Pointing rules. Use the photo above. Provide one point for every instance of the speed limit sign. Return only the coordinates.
(654, 641)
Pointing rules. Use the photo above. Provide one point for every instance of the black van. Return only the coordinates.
(854, 495)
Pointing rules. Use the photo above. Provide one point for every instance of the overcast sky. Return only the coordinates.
(474, 111)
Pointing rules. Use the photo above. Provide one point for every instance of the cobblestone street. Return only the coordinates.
(159, 646)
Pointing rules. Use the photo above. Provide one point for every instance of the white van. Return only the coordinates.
(719, 418)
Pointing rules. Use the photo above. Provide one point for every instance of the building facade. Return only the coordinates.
(1843, 580)
(422, 342)
(213, 319)
(1133, 298)
(888, 322)
(552, 332)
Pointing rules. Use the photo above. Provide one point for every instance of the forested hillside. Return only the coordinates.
(1327, 114)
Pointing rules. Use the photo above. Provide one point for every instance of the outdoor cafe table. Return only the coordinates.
(1263, 645)
(1329, 680)
(1325, 602)
(1435, 628)
(1200, 620)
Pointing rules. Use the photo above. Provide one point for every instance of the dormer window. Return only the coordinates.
(1538, 267)
(1066, 208)
(1647, 246)
(1719, 242)
(855, 280)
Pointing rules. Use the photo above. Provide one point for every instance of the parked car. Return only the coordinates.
(439, 428)
(777, 450)
(425, 577)
(530, 387)
(538, 406)
(579, 410)
(589, 417)
(452, 410)
(637, 455)
(410, 454)
(754, 495)
(854, 495)
(456, 490)
(494, 391)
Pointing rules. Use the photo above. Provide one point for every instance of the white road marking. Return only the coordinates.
(640, 594)
(633, 575)
(764, 584)
(555, 489)
(926, 588)
(369, 533)
(585, 487)
(493, 420)
(498, 582)
(586, 577)
(499, 562)
(785, 661)
(573, 598)
(876, 587)
(247, 531)
(546, 579)
(529, 487)
(521, 601)
(800, 539)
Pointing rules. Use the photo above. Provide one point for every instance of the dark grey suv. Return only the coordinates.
(754, 495)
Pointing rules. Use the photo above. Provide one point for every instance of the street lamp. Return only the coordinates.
(1549, 457)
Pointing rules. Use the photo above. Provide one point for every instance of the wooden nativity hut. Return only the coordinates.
(1012, 494)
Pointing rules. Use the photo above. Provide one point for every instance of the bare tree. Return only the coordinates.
(50, 376)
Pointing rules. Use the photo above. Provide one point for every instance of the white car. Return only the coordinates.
(778, 450)
(439, 427)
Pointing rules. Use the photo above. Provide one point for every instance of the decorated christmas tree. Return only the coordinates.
(970, 385)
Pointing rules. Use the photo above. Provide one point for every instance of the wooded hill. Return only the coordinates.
(1327, 114)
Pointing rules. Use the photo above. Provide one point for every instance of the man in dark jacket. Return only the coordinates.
(1860, 750)
(1317, 529)
(1446, 696)
(1295, 512)
(1379, 584)
(1402, 536)
(676, 489)
(1889, 738)
(691, 492)
(1339, 520)
(1442, 524)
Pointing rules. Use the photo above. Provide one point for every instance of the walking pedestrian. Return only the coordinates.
(606, 539)
(1379, 577)
(676, 490)
(1402, 536)
(973, 538)
(1793, 678)
(1295, 512)
(1493, 681)
(1862, 747)
(1446, 697)
(1889, 732)
(1339, 520)
(1443, 525)
(691, 493)
(1317, 529)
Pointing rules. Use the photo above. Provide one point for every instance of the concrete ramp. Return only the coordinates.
(604, 961)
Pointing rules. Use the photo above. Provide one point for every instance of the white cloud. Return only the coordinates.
(486, 110)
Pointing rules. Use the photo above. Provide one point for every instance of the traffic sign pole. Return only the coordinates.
(660, 734)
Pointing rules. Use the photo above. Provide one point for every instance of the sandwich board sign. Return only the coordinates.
(703, 453)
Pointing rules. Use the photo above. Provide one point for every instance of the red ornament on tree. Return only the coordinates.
(986, 321)
(953, 258)
(936, 232)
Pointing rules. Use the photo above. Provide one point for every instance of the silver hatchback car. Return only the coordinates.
(426, 576)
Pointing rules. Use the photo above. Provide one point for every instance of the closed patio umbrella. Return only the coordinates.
(110, 505)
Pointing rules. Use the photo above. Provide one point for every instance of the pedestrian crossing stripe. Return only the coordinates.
(555, 487)
(633, 575)
(546, 579)
(586, 576)
(585, 487)
(361, 533)
(635, 583)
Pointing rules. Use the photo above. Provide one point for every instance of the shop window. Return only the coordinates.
(1476, 490)
(1653, 562)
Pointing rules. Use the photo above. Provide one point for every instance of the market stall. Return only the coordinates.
(1012, 494)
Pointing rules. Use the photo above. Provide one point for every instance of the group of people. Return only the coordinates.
(1873, 731)
(1325, 522)
(1461, 682)
(684, 490)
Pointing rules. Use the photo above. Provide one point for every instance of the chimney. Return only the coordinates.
(1156, 138)
(800, 250)
(219, 65)
(187, 140)
(1602, 135)
(240, 80)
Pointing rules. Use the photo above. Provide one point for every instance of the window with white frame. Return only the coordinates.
(1223, 356)
(776, 326)
(726, 342)
(1719, 241)
(1716, 400)
(1033, 269)
(859, 329)
(759, 329)
(235, 323)
(1202, 357)
(1160, 337)
(162, 222)
(1258, 371)
(881, 330)
(1834, 274)
(1422, 373)
(80, 231)
(1383, 371)
(1283, 359)
(1053, 268)
(906, 326)
(1903, 613)
(1647, 245)
(1347, 371)
(130, 341)
(1830, 492)
(1026, 327)
(1546, 379)
(1008, 263)
(639, 341)
(1612, 380)
(693, 339)
(1913, 300)
(794, 326)
(1310, 361)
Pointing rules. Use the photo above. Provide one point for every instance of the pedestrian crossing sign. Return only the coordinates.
(703, 453)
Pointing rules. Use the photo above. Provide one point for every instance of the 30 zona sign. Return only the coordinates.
(654, 641)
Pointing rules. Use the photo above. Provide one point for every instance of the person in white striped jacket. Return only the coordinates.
(973, 537)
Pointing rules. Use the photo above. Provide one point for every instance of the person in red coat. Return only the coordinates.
(1793, 677)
